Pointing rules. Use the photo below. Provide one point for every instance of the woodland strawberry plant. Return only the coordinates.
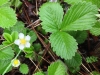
(67, 28)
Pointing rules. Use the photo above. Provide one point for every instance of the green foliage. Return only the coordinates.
(16, 3)
(96, 2)
(79, 17)
(39, 73)
(95, 73)
(2, 2)
(14, 36)
(63, 44)
(33, 36)
(7, 14)
(37, 47)
(51, 16)
(3, 65)
(7, 37)
(29, 52)
(19, 27)
(57, 68)
(72, 1)
(74, 70)
(80, 36)
(75, 61)
(23, 69)
(91, 59)
(6, 53)
(96, 29)
(10, 38)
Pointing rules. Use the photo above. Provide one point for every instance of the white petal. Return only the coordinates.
(21, 47)
(27, 38)
(21, 35)
(17, 42)
(27, 44)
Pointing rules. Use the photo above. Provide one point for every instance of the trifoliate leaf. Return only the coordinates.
(72, 1)
(75, 61)
(6, 53)
(96, 29)
(7, 17)
(3, 65)
(23, 69)
(57, 68)
(63, 44)
(8, 37)
(80, 36)
(80, 16)
(3, 2)
(96, 2)
(38, 73)
(51, 15)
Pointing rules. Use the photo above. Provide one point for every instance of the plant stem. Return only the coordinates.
(11, 63)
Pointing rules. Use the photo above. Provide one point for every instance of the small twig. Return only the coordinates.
(43, 58)
(85, 60)
(34, 23)
(33, 63)
(95, 67)
(87, 69)
(36, 8)
(80, 73)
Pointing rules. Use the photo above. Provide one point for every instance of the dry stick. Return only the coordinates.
(48, 48)
(43, 58)
(80, 73)
(27, 17)
(35, 32)
(36, 8)
(34, 23)
(24, 52)
(86, 69)
(33, 63)
(95, 67)
(84, 59)
(42, 43)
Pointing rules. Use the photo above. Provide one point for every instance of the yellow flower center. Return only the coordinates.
(23, 41)
(16, 62)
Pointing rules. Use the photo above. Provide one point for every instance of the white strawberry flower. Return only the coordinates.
(15, 62)
(23, 41)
